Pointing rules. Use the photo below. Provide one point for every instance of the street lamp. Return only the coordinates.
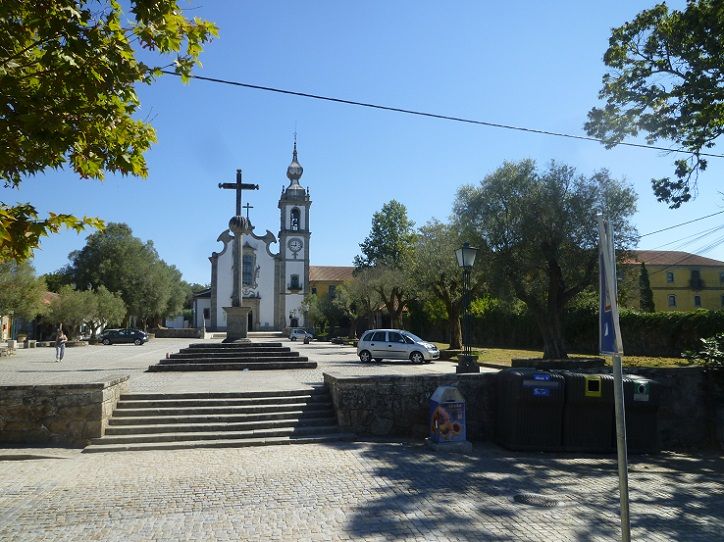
(467, 363)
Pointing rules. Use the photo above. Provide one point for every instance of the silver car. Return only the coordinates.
(379, 344)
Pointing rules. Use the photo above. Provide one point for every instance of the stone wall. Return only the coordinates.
(67, 414)
(179, 333)
(399, 405)
(690, 414)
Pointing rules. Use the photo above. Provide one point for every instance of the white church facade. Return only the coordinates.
(273, 283)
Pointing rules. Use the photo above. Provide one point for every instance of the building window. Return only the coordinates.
(696, 283)
(672, 300)
(722, 301)
(247, 269)
(332, 293)
(314, 291)
(294, 282)
(721, 277)
(697, 301)
(207, 314)
(294, 220)
(670, 277)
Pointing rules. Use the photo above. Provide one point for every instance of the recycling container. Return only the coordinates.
(642, 397)
(529, 409)
(447, 415)
(588, 414)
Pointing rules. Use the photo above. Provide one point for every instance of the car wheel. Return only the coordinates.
(138, 342)
(416, 357)
(365, 356)
(106, 341)
(294, 338)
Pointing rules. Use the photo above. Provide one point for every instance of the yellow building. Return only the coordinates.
(679, 281)
(324, 279)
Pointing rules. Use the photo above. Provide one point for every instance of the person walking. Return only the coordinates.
(60, 340)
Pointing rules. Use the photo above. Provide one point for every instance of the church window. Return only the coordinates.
(207, 314)
(294, 219)
(248, 269)
(294, 285)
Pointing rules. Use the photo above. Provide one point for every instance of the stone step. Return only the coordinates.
(227, 358)
(249, 409)
(188, 353)
(233, 366)
(245, 401)
(235, 345)
(217, 435)
(223, 418)
(221, 443)
(138, 396)
(284, 422)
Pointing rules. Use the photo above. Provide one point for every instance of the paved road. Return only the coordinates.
(386, 491)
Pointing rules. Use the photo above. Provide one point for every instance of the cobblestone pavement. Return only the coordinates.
(376, 491)
(379, 491)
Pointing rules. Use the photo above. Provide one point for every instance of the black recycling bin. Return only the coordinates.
(642, 397)
(588, 414)
(529, 408)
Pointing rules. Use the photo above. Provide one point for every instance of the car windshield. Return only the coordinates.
(413, 337)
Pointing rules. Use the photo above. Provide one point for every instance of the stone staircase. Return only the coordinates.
(157, 421)
(234, 356)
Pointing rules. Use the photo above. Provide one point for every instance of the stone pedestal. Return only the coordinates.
(467, 364)
(237, 320)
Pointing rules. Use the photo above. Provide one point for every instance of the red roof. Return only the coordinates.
(671, 257)
(330, 273)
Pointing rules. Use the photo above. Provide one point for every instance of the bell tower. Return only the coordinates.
(294, 234)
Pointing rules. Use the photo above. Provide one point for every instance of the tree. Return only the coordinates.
(437, 272)
(21, 292)
(109, 310)
(667, 80)
(71, 309)
(646, 296)
(356, 300)
(541, 234)
(124, 264)
(387, 257)
(68, 76)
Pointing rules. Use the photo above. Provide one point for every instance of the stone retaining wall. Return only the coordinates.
(689, 416)
(399, 405)
(68, 414)
(180, 333)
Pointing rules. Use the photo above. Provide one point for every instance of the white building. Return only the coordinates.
(274, 284)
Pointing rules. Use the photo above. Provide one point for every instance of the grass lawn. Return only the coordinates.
(502, 356)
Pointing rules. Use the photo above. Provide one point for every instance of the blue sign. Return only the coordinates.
(541, 392)
(541, 376)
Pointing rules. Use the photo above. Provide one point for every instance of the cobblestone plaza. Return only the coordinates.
(368, 490)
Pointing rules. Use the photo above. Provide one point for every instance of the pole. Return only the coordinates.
(621, 447)
(466, 316)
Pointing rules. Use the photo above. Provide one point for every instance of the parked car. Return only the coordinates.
(299, 333)
(379, 344)
(119, 336)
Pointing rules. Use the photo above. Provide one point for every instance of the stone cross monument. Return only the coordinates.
(236, 315)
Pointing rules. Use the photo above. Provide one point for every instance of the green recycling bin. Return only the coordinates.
(642, 397)
(588, 414)
(529, 407)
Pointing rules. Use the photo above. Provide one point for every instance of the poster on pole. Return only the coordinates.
(609, 328)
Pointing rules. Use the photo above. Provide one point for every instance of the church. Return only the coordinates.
(273, 283)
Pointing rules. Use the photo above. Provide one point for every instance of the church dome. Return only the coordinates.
(295, 169)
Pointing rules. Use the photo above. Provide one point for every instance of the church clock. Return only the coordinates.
(295, 245)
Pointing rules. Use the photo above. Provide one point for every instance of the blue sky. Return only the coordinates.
(533, 64)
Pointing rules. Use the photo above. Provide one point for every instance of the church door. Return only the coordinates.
(250, 321)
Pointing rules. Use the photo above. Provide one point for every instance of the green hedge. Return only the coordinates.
(644, 334)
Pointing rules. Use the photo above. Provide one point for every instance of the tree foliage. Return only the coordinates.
(21, 292)
(114, 258)
(71, 309)
(68, 76)
(667, 80)
(540, 234)
(646, 295)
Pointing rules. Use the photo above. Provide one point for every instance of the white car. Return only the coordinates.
(379, 344)
(299, 333)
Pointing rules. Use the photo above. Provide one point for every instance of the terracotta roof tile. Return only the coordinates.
(330, 272)
(670, 257)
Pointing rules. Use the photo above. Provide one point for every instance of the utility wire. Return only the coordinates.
(682, 224)
(431, 115)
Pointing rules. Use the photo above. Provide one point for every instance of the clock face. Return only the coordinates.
(295, 245)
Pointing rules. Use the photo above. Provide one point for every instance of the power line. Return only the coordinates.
(430, 115)
(682, 224)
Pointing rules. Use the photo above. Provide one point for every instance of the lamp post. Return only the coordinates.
(467, 363)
